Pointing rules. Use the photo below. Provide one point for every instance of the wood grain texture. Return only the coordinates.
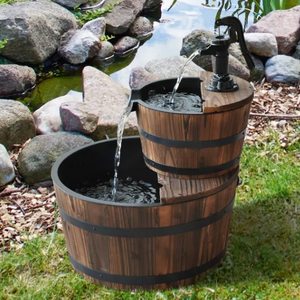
(176, 190)
(146, 256)
(225, 115)
(218, 102)
(187, 128)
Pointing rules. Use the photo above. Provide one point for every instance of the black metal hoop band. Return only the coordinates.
(190, 171)
(147, 280)
(191, 144)
(147, 232)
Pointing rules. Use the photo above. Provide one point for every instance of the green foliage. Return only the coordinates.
(2, 44)
(262, 259)
(106, 38)
(3, 2)
(266, 6)
(88, 15)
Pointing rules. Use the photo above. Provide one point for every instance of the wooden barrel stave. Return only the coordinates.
(158, 255)
(208, 144)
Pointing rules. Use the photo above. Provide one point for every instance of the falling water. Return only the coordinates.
(121, 126)
(191, 57)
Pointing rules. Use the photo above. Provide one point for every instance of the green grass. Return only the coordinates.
(262, 261)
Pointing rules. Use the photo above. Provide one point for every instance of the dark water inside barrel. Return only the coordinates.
(183, 102)
(128, 191)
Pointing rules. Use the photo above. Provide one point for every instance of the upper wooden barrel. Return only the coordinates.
(195, 145)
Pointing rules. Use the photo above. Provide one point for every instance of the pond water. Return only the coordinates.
(170, 27)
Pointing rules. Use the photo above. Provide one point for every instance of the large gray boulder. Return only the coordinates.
(236, 68)
(139, 77)
(16, 124)
(7, 172)
(126, 45)
(15, 79)
(109, 100)
(261, 44)
(141, 28)
(47, 118)
(79, 117)
(258, 73)
(171, 67)
(105, 53)
(282, 68)
(33, 29)
(197, 40)
(38, 156)
(96, 26)
(284, 25)
(78, 46)
(122, 15)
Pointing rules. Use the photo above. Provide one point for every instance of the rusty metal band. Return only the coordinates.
(147, 232)
(191, 171)
(192, 144)
(147, 280)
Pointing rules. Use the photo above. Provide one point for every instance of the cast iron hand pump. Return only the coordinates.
(221, 81)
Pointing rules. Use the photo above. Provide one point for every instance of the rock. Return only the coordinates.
(122, 15)
(171, 67)
(196, 40)
(15, 79)
(284, 25)
(235, 50)
(258, 73)
(152, 4)
(282, 68)
(77, 46)
(140, 77)
(261, 44)
(47, 117)
(126, 45)
(141, 28)
(77, 95)
(33, 29)
(79, 117)
(17, 125)
(96, 26)
(106, 51)
(37, 157)
(111, 104)
(7, 172)
(296, 54)
(70, 3)
(236, 68)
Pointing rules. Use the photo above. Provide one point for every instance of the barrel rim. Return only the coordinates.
(160, 109)
(57, 182)
(65, 189)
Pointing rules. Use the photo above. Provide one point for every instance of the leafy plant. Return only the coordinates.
(105, 38)
(88, 15)
(266, 6)
(2, 44)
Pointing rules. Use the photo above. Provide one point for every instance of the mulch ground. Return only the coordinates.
(28, 211)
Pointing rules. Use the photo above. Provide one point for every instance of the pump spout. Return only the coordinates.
(221, 80)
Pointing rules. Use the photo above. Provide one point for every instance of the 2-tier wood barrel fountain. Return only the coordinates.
(191, 159)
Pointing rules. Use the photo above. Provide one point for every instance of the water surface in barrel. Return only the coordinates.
(183, 102)
(128, 191)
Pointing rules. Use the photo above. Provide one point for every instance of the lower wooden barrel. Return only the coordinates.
(132, 246)
(193, 145)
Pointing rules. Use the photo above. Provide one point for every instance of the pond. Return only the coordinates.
(170, 27)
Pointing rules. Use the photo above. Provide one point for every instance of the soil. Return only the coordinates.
(27, 211)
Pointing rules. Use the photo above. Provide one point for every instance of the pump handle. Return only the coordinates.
(235, 27)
